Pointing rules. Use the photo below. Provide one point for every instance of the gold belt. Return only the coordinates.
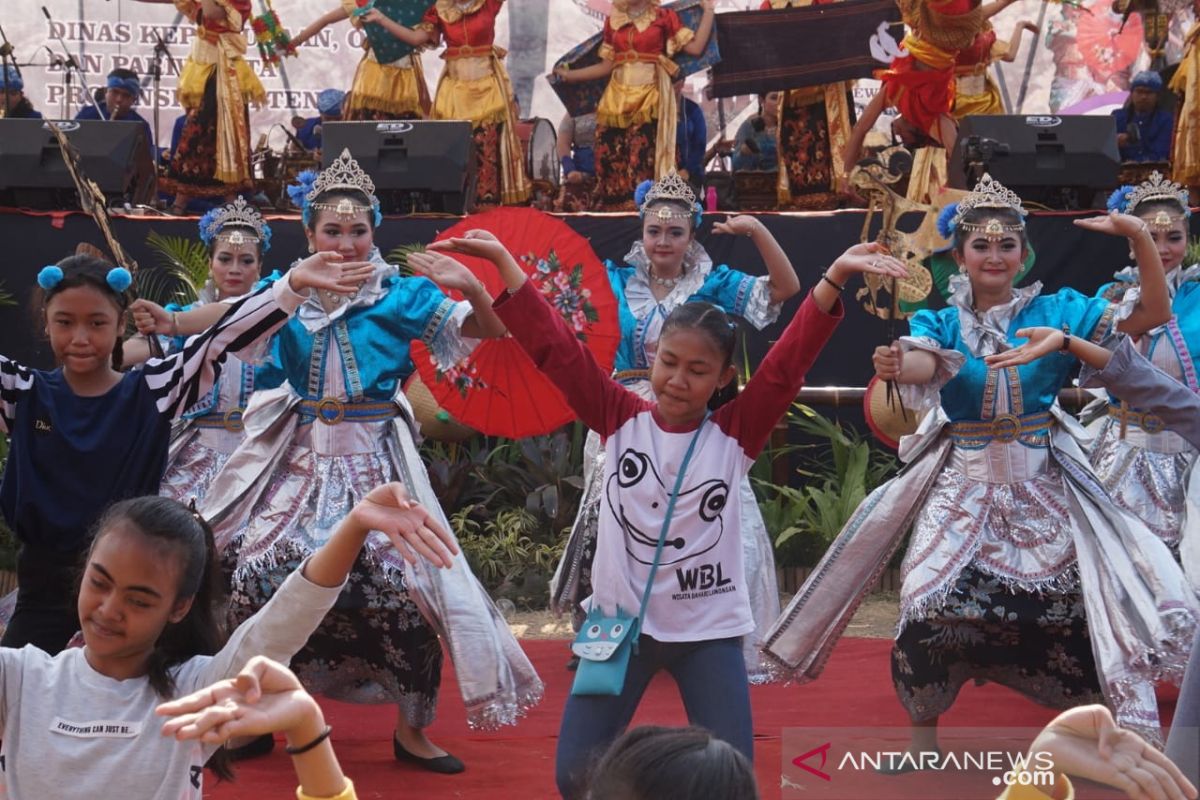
(230, 420)
(1146, 420)
(333, 411)
(1003, 428)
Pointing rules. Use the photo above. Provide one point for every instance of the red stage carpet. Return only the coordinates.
(517, 763)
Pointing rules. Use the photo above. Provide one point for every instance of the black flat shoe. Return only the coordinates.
(908, 765)
(255, 748)
(446, 765)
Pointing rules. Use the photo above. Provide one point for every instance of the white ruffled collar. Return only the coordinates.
(986, 333)
(1175, 278)
(697, 264)
(312, 314)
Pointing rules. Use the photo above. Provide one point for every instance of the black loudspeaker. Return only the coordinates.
(1058, 161)
(417, 165)
(114, 155)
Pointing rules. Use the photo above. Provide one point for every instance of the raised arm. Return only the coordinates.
(451, 274)
(601, 403)
(1014, 41)
(1154, 302)
(696, 46)
(319, 24)
(781, 275)
(862, 127)
(411, 37)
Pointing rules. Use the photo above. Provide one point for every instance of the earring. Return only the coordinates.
(311, 249)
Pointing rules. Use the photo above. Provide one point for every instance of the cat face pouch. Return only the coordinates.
(604, 645)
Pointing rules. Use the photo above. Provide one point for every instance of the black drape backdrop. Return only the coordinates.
(1066, 256)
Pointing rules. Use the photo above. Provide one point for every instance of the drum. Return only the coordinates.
(539, 141)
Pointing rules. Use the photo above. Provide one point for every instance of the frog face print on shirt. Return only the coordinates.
(639, 497)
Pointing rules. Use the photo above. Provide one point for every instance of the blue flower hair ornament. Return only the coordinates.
(265, 242)
(639, 194)
(119, 279)
(945, 221)
(300, 189)
(49, 276)
(207, 232)
(1118, 201)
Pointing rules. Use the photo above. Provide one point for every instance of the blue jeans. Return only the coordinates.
(712, 681)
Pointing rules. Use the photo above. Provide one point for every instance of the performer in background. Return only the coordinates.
(236, 236)
(475, 87)
(813, 125)
(756, 143)
(974, 90)
(1144, 129)
(16, 104)
(215, 88)
(665, 268)
(1144, 467)
(691, 139)
(638, 116)
(122, 91)
(576, 140)
(329, 109)
(1185, 151)
(395, 90)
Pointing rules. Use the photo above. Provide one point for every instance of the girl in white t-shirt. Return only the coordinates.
(699, 608)
(83, 723)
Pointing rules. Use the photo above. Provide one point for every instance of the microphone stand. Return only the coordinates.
(160, 49)
(70, 64)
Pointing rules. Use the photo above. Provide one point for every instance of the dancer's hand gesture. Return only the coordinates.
(1042, 342)
(869, 257)
(265, 697)
(476, 242)
(1086, 742)
(446, 272)
(329, 271)
(741, 225)
(1114, 224)
(411, 529)
(888, 361)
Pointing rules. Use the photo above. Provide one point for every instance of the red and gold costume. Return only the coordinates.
(814, 129)
(921, 85)
(974, 91)
(475, 86)
(637, 115)
(396, 90)
(215, 87)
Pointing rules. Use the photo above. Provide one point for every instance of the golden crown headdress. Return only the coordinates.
(343, 173)
(989, 193)
(238, 214)
(1157, 187)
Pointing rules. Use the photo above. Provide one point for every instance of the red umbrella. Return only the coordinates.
(497, 390)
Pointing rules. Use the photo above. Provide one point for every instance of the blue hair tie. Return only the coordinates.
(265, 244)
(49, 276)
(119, 279)
(639, 194)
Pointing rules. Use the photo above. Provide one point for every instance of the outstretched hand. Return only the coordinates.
(870, 257)
(445, 271)
(475, 242)
(1086, 742)
(1042, 342)
(1113, 224)
(329, 271)
(411, 529)
(741, 225)
(265, 697)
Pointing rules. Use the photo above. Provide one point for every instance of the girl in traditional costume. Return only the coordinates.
(236, 236)
(1020, 570)
(215, 88)
(664, 269)
(329, 422)
(636, 119)
(1143, 466)
(392, 90)
(1185, 148)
